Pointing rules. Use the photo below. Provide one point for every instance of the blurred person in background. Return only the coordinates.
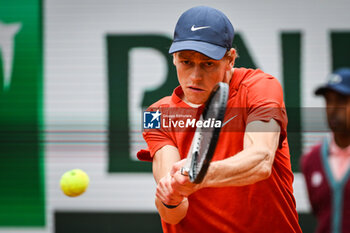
(326, 167)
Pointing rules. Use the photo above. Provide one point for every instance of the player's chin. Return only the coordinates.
(197, 98)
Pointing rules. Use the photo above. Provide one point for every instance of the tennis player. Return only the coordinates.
(248, 187)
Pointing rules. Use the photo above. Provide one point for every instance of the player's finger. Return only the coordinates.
(180, 179)
(163, 195)
(168, 184)
(167, 188)
(177, 166)
(168, 198)
(163, 186)
(160, 191)
(177, 183)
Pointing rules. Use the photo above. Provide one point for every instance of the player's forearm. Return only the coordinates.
(247, 167)
(174, 215)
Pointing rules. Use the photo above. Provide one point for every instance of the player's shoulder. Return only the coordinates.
(172, 101)
(163, 102)
(255, 76)
(256, 80)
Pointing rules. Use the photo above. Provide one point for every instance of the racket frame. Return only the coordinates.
(189, 167)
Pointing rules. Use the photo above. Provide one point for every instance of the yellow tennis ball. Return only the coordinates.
(74, 182)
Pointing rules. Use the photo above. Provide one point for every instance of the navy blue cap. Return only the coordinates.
(338, 81)
(205, 30)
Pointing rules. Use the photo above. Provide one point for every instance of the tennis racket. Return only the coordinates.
(205, 139)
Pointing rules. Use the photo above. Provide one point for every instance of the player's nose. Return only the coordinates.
(197, 73)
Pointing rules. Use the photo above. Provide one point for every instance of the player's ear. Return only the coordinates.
(174, 54)
(232, 57)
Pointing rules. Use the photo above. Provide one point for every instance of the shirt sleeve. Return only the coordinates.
(156, 139)
(265, 102)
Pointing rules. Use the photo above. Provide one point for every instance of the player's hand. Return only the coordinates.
(166, 194)
(181, 183)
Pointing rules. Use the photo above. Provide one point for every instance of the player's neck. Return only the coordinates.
(229, 75)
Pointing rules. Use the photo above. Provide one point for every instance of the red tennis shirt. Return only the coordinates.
(266, 206)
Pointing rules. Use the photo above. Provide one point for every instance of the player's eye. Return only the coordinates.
(209, 63)
(185, 62)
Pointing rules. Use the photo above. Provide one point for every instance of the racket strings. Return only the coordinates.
(212, 111)
(203, 147)
(206, 139)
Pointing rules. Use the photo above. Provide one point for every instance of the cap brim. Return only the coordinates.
(340, 89)
(321, 90)
(210, 50)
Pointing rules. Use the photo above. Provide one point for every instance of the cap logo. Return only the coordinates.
(193, 28)
(335, 79)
